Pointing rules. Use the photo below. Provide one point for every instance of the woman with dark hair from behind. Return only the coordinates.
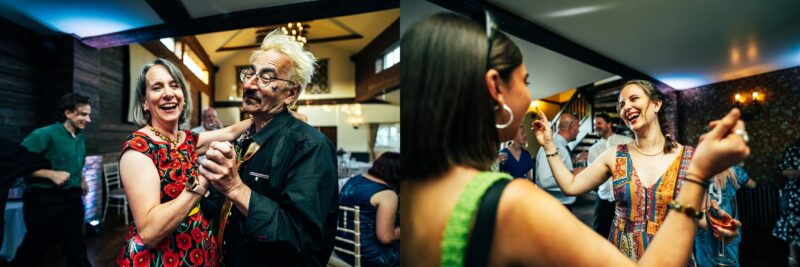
(456, 212)
(374, 194)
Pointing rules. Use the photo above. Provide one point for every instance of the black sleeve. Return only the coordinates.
(16, 160)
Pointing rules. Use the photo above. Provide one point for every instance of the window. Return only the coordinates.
(169, 43)
(193, 62)
(388, 137)
(388, 59)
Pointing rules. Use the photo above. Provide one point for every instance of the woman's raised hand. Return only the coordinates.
(542, 130)
(721, 147)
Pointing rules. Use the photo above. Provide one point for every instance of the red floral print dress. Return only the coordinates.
(193, 243)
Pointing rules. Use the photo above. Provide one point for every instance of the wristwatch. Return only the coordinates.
(194, 187)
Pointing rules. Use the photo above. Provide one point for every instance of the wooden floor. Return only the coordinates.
(102, 249)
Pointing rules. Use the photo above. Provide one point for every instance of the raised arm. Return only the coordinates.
(229, 133)
(154, 220)
(588, 179)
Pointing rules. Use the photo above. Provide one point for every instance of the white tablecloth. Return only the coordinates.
(14, 230)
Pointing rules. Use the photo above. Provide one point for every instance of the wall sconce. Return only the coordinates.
(356, 122)
(749, 108)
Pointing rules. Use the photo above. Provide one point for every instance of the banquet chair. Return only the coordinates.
(115, 195)
(355, 232)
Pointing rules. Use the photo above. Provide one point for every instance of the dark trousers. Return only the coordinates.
(603, 216)
(52, 216)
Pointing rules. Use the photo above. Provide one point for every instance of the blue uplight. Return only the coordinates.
(87, 17)
(683, 82)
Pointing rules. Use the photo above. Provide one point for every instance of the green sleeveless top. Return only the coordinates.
(456, 233)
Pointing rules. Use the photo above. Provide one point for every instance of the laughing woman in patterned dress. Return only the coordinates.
(647, 173)
(788, 226)
(158, 169)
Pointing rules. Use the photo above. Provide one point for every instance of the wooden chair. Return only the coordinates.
(354, 229)
(115, 195)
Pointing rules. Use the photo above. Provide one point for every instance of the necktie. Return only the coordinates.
(226, 207)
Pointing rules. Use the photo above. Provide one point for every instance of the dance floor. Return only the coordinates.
(756, 249)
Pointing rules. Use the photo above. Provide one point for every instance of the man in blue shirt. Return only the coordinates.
(568, 126)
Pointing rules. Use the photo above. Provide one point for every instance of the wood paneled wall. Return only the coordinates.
(368, 83)
(36, 71)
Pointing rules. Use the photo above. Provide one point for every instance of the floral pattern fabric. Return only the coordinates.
(193, 243)
(639, 210)
(788, 225)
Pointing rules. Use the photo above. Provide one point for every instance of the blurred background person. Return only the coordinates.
(374, 193)
(45, 202)
(568, 127)
(723, 187)
(788, 226)
(515, 160)
(210, 121)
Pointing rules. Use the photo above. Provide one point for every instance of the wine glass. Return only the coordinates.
(721, 212)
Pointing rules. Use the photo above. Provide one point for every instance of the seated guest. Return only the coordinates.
(377, 201)
(706, 240)
(210, 121)
(515, 160)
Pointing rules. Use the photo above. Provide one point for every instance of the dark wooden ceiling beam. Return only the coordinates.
(170, 11)
(310, 41)
(198, 49)
(532, 32)
(303, 11)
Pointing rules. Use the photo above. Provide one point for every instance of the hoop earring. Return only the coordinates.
(510, 119)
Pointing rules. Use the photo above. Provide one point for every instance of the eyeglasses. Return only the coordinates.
(264, 78)
(491, 27)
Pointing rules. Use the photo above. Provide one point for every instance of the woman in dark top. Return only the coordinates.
(515, 160)
(373, 193)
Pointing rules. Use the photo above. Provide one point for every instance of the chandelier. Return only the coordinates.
(297, 31)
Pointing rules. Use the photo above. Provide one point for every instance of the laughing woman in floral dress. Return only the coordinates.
(158, 169)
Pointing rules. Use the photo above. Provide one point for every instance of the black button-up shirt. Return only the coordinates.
(293, 206)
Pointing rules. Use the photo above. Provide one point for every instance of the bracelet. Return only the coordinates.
(690, 211)
(552, 155)
(698, 182)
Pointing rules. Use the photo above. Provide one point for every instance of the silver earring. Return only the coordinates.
(510, 119)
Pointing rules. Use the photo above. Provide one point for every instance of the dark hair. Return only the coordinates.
(387, 168)
(603, 116)
(654, 94)
(449, 112)
(70, 102)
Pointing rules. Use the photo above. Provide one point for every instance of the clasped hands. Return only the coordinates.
(220, 168)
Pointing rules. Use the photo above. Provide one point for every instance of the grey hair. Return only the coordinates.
(566, 121)
(303, 62)
(143, 118)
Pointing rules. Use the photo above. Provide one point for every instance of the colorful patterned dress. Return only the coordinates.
(193, 243)
(641, 210)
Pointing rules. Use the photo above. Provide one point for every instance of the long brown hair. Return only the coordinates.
(654, 94)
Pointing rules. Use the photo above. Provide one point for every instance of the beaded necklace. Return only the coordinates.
(163, 137)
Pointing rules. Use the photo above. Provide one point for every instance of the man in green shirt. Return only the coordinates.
(54, 208)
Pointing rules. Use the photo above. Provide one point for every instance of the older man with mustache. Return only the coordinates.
(279, 178)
